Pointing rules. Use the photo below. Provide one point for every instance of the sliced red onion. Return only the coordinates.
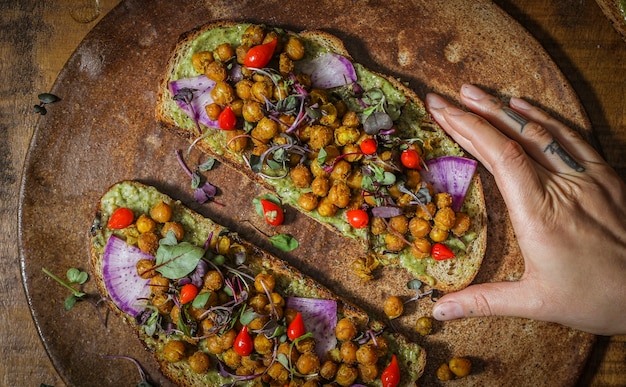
(125, 287)
(201, 87)
(329, 70)
(450, 174)
(386, 211)
(320, 318)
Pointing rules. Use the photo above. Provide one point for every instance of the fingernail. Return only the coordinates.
(520, 103)
(472, 92)
(448, 311)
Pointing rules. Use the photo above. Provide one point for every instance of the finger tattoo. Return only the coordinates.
(515, 116)
(556, 149)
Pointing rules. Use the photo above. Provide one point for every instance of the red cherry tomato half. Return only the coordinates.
(121, 218)
(357, 218)
(368, 146)
(439, 252)
(227, 119)
(243, 342)
(272, 212)
(410, 158)
(296, 327)
(187, 293)
(391, 375)
(259, 56)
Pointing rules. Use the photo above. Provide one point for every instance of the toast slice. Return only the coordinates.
(176, 332)
(309, 172)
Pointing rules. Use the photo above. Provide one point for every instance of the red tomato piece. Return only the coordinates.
(227, 119)
(272, 212)
(439, 252)
(410, 158)
(243, 342)
(357, 218)
(259, 56)
(121, 218)
(368, 146)
(296, 327)
(187, 293)
(391, 375)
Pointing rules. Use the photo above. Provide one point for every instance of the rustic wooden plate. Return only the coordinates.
(103, 130)
(615, 11)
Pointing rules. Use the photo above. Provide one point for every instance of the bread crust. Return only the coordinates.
(258, 260)
(449, 275)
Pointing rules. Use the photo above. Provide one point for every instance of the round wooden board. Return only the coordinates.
(103, 130)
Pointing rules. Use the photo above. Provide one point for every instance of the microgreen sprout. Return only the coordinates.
(144, 379)
(44, 99)
(203, 190)
(74, 277)
(416, 285)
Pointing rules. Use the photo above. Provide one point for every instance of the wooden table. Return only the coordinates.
(37, 38)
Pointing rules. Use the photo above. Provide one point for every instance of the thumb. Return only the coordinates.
(490, 299)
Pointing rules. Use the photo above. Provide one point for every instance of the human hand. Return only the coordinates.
(567, 207)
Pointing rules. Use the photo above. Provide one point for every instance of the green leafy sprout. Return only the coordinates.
(74, 277)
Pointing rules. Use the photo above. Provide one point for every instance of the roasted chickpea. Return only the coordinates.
(227, 339)
(413, 178)
(161, 212)
(341, 171)
(393, 307)
(426, 213)
(243, 89)
(308, 201)
(350, 119)
(460, 366)
(318, 170)
(240, 53)
(265, 130)
(200, 60)
(213, 343)
(277, 300)
(262, 344)
(305, 345)
(253, 35)
(340, 194)
(231, 358)
(258, 302)
(329, 115)
(462, 223)
(279, 373)
(394, 242)
(354, 180)
(419, 227)
(285, 348)
(320, 137)
(145, 268)
(346, 375)
(381, 344)
(438, 235)
(216, 71)
(328, 370)
(345, 330)
(148, 242)
(308, 363)
(352, 153)
(213, 111)
(159, 284)
(366, 354)
(163, 303)
(174, 351)
(348, 352)
(378, 226)
(294, 48)
(399, 224)
(346, 135)
(176, 228)
(420, 248)
(145, 224)
(443, 200)
(175, 313)
(368, 372)
(264, 283)
(326, 207)
(285, 64)
(223, 52)
(258, 323)
(252, 111)
(320, 185)
(424, 325)
(261, 91)
(445, 218)
(301, 176)
(443, 373)
(223, 93)
(237, 140)
(199, 362)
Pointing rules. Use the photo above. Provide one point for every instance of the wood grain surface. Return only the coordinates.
(37, 38)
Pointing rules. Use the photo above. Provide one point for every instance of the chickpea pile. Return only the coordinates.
(334, 182)
(212, 336)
